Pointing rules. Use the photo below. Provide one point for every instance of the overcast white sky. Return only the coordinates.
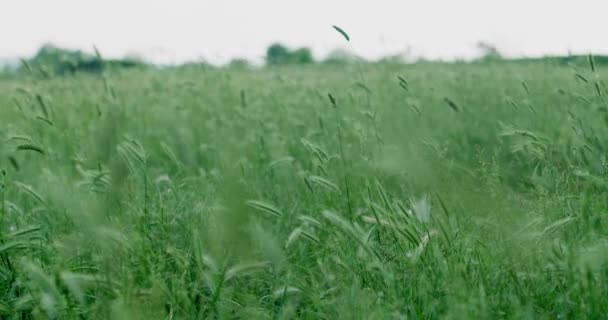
(178, 30)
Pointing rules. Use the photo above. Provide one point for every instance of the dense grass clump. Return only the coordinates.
(428, 191)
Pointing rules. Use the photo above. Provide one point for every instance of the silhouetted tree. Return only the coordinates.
(301, 56)
(277, 54)
(489, 51)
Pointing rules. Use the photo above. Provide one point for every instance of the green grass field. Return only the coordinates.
(426, 191)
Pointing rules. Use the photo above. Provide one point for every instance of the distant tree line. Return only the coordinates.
(53, 60)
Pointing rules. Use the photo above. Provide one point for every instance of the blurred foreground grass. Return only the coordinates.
(427, 191)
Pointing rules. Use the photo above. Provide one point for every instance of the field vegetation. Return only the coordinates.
(352, 190)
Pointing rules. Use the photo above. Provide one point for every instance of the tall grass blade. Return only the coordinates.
(342, 32)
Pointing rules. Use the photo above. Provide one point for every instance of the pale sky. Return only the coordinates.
(169, 31)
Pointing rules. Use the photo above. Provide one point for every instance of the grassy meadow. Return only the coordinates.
(357, 191)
